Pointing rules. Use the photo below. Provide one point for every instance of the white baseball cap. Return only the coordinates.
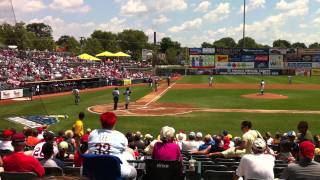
(259, 145)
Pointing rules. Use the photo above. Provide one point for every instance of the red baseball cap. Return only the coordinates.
(7, 133)
(307, 149)
(18, 137)
(108, 119)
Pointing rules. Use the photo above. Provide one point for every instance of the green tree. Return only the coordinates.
(40, 29)
(172, 55)
(299, 45)
(45, 43)
(207, 45)
(70, 43)
(249, 43)
(281, 44)
(314, 45)
(167, 43)
(134, 41)
(92, 46)
(226, 42)
(108, 40)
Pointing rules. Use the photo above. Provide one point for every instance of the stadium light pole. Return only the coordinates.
(244, 24)
(14, 14)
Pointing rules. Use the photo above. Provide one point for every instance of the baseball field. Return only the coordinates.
(188, 104)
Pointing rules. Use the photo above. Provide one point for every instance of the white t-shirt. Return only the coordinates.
(256, 166)
(37, 151)
(190, 145)
(6, 145)
(103, 141)
(269, 141)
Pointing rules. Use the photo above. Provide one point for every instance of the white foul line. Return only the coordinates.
(159, 96)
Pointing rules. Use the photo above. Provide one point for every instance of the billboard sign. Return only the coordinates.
(195, 51)
(234, 65)
(228, 51)
(255, 51)
(208, 51)
(275, 61)
(277, 51)
(261, 64)
(222, 58)
(299, 65)
(261, 58)
(247, 58)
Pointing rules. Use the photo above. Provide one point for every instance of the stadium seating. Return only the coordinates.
(53, 171)
(218, 175)
(72, 171)
(101, 167)
(163, 170)
(18, 176)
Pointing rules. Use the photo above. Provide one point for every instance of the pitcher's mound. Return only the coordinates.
(264, 96)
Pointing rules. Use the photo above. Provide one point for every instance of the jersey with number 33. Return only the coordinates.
(103, 141)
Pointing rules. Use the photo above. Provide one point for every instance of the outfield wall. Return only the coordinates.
(272, 61)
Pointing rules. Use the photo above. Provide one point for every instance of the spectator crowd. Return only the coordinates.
(18, 67)
(33, 150)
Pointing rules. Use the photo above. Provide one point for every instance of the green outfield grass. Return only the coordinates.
(222, 98)
(205, 122)
(250, 79)
(65, 105)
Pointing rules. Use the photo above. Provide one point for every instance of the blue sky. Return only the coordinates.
(190, 22)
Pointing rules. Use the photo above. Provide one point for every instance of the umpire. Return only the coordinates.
(115, 94)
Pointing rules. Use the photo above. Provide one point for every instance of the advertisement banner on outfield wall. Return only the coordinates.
(316, 58)
(275, 61)
(315, 72)
(306, 58)
(261, 64)
(10, 94)
(248, 58)
(202, 60)
(210, 51)
(195, 51)
(308, 51)
(222, 58)
(234, 65)
(277, 51)
(243, 72)
(298, 65)
(316, 65)
(235, 58)
(261, 58)
(292, 55)
(228, 51)
(255, 52)
(303, 72)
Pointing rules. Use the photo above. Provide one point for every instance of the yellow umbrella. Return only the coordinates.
(105, 54)
(86, 56)
(121, 54)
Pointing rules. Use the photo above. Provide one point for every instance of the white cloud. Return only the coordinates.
(114, 25)
(61, 27)
(294, 7)
(22, 6)
(253, 4)
(203, 6)
(161, 19)
(70, 6)
(188, 25)
(133, 7)
(316, 21)
(318, 11)
(170, 5)
(221, 12)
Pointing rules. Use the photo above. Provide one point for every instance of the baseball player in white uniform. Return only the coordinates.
(262, 85)
(127, 94)
(76, 94)
(210, 80)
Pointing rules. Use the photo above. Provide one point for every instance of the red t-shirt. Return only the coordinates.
(19, 162)
(78, 159)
